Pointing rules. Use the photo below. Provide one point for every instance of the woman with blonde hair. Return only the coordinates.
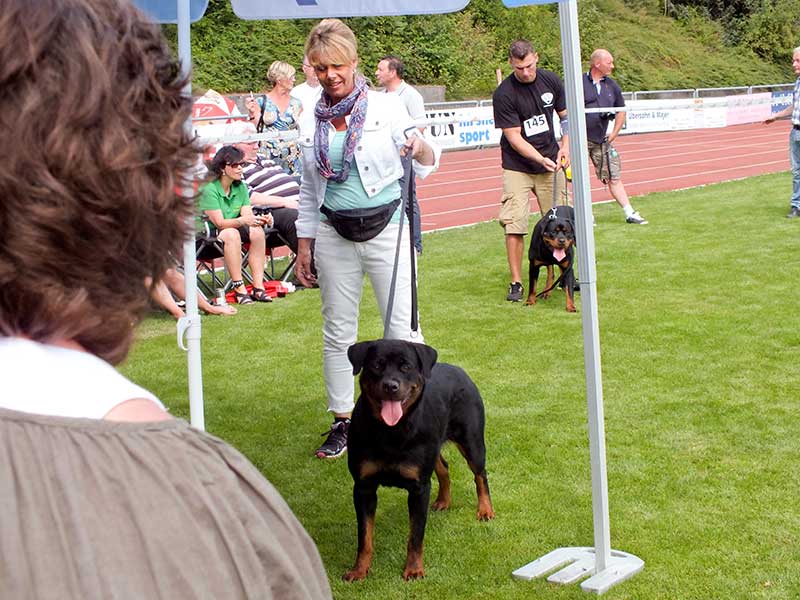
(278, 111)
(351, 151)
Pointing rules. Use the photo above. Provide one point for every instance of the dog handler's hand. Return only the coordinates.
(563, 158)
(548, 164)
(302, 268)
(419, 149)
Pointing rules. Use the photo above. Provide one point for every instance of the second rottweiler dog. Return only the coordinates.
(408, 408)
(552, 243)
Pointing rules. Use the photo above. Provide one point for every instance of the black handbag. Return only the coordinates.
(360, 224)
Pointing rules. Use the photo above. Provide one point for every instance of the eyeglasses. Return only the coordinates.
(236, 165)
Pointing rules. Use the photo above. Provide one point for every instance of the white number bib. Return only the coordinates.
(536, 124)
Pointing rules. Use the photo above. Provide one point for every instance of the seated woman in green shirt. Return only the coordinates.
(226, 202)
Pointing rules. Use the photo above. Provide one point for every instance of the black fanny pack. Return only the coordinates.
(360, 224)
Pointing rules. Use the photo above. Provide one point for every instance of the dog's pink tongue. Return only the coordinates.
(559, 254)
(391, 413)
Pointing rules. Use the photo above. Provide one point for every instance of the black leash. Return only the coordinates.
(605, 152)
(405, 195)
(553, 216)
(555, 284)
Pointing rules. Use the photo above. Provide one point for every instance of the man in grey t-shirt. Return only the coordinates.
(389, 74)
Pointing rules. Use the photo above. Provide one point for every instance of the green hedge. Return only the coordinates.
(462, 50)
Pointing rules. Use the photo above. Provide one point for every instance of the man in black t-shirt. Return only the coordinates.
(524, 104)
(600, 91)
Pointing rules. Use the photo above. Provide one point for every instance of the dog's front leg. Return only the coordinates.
(365, 500)
(569, 290)
(549, 285)
(418, 497)
(533, 278)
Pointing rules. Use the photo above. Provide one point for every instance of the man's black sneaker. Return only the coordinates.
(794, 213)
(336, 443)
(514, 292)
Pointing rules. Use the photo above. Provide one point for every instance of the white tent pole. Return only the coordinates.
(570, 49)
(189, 326)
(606, 567)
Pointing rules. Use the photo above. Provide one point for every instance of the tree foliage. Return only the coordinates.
(702, 43)
(769, 27)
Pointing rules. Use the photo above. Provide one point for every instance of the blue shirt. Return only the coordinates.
(604, 93)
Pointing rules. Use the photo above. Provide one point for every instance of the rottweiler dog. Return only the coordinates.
(409, 406)
(553, 243)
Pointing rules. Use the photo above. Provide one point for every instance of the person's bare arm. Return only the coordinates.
(262, 199)
(245, 218)
(619, 123)
(786, 112)
(137, 410)
(524, 148)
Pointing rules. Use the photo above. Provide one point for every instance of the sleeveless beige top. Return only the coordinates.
(100, 509)
(94, 509)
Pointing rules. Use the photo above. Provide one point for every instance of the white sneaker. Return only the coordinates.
(636, 219)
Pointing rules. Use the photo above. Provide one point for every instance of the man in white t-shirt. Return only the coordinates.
(389, 74)
(310, 90)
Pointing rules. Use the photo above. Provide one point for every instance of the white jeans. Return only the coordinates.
(341, 266)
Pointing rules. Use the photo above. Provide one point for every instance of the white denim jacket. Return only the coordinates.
(377, 156)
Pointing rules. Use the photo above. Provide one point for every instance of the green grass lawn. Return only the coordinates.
(700, 338)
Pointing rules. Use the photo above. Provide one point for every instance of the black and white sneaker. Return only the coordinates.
(336, 443)
(514, 292)
(636, 219)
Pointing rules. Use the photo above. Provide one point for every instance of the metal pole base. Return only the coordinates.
(580, 562)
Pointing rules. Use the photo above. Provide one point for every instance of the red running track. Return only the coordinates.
(467, 187)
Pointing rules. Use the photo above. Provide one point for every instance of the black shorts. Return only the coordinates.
(205, 250)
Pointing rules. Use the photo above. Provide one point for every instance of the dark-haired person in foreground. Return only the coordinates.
(104, 494)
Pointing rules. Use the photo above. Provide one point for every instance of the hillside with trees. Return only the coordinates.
(657, 44)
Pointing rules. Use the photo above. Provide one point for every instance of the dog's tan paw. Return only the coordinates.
(355, 574)
(413, 573)
(440, 505)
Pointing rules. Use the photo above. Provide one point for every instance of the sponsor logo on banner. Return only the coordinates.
(471, 128)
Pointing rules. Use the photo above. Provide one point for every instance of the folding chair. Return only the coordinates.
(208, 253)
(276, 240)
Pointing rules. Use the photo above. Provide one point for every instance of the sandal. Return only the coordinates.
(260, 295)
(242, 298)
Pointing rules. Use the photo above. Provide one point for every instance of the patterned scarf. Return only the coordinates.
(356, 105)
